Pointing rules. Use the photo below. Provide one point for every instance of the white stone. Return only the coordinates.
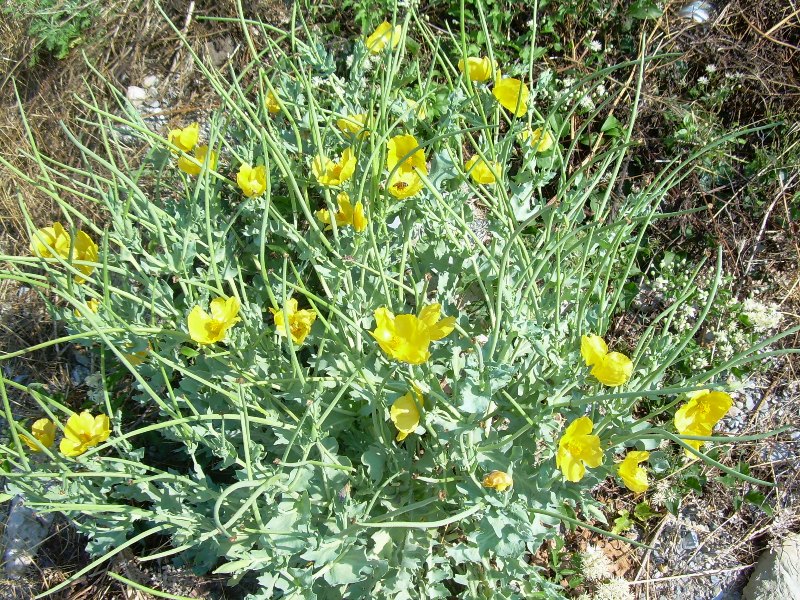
(150, 81)
(777, 574)
(136, 95)
(24, 532)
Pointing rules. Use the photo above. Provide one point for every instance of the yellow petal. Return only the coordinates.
(478, 68)
(512, 94)
(579, 427)
(593, 349)
(571, 467)
(359, 220)
(272, 104)
(405, 184)
(613, 370)
(383, 35)
(186, 138)
(405, 415)
(481, 171)
(197, 321)
(405, 149)
(633, 476)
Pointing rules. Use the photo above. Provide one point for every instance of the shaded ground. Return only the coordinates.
(751, 193)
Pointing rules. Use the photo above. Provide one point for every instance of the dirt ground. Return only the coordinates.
(131, 40)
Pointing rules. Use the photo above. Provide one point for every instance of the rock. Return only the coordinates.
(24, 532)
(690, 541)
(777, 573)
(150, 81)
(136, 95)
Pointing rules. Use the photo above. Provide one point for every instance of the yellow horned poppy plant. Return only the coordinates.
(498, 480)
(479, 68)
(512, 94)
(609, 368)
(57, 239)
(405, 414)
(84, 431)
(252, 180)
(383, 35)
(43, 430)
(207, 328)
(407, 337)
(481, 171)
(330, 173)
(185, 138)
(633, 476)
(300, 321)
(188, 166)
(577, 449)
(699, 416)
(346, 215)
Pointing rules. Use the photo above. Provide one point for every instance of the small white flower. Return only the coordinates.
(595, 46)
(763, 317)
(712, 68)
(587, 103)
(600, 90)
(616, 589)
(349, 61)
(702, 80)
(568, 82)
(595, 564)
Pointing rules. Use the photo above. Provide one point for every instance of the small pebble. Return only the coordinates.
(150, 81)
(136, 95)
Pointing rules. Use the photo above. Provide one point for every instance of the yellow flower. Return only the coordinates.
(403, 152)
(185, 138)
(610, 368)
(43, 430)
(300, 321)
(633, 476)
(331, 173)
(57, 239)
(481, 171)
(188, 166)
(382, 36)
(479, 68)
(252, 180)
(93, 306)
(417, 108)
(576, 448)
(498, 480)
(405, 414)
(48, 238)
(347, 215)
(272, 104)
(84, 431)
(407, 337)
(209, 329)
(699, 416)
(404, 184)
(405, 149)
(512, 94)
(540, 139)
(355, 125)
